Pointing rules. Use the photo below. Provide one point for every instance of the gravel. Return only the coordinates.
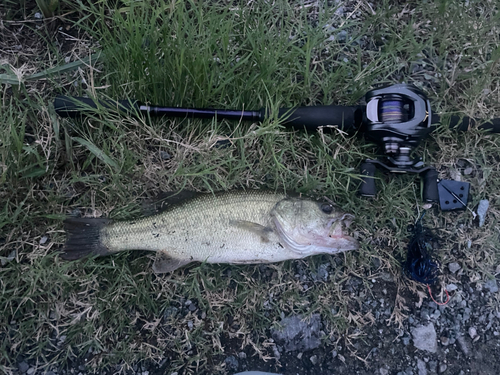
(424, 338)
(23, 367)
(454, 267)
(481, 211)
(421, 367)
(299, 334)
(491, 286)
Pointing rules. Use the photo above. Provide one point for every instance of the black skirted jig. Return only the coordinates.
(420, 265)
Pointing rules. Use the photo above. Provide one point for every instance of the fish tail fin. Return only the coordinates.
(83, 238)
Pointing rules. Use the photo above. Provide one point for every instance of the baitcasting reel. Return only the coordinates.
(396, 117)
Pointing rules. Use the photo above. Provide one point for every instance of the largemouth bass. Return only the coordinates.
(231, 227)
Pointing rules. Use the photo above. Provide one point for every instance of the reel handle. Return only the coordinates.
(430, 178)
(367, 187)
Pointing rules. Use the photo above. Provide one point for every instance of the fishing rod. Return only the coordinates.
(396, 117)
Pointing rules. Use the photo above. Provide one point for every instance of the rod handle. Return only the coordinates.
(69, 106)
(465, 123)
(345, 118)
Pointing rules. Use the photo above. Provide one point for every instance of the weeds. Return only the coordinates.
(111, 313)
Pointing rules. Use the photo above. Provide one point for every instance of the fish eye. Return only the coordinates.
(327, 208)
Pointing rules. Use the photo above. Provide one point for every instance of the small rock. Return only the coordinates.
(445, 341)
(455, 175)
(334, 353)
(482, 208)
(383, 371)
(340, 12)
(453, 267)
(425, 338)
(61, 340)
(314, 359)
(165, 155)
(422, 368)
(190, 324)
(43, 240)
(451, 287)
(192, 307)
(468, 170)
(30, 371)
(463, 345)
(9, 258)
(170, 312)
(442, 368)
(341, 36)
(472, 332)
(323, 272)
(386, 276)
(298, 334)
(491, 286)
(38, 16)
(432, 367)
(231, 362)
(436, 314)
(23, 367)
(242, 355)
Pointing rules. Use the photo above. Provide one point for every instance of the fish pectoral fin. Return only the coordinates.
(164, 263)
(256, 228)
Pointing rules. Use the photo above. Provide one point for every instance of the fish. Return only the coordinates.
(236, 227)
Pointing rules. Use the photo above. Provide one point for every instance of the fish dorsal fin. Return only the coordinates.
(165, 200)
(256, 228)
(164, 263)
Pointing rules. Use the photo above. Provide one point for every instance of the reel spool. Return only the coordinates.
(398, 114)
(392, 110)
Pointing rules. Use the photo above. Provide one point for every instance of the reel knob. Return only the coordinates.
(367, 187)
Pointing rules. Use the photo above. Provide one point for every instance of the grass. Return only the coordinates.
(113, 313)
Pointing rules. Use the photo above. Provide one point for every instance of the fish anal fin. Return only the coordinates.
(256, 228)
(165, 264)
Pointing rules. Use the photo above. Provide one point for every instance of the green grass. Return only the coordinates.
(115, 311)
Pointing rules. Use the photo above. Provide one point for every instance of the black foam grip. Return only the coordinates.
(430, 193)
(67, 106)
(367, 187)
(345, 118)
(465, 123)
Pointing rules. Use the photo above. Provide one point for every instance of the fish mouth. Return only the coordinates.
(329, 239)
(337, 225)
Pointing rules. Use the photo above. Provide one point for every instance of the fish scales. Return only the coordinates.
(232, 227)
(207, 228)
